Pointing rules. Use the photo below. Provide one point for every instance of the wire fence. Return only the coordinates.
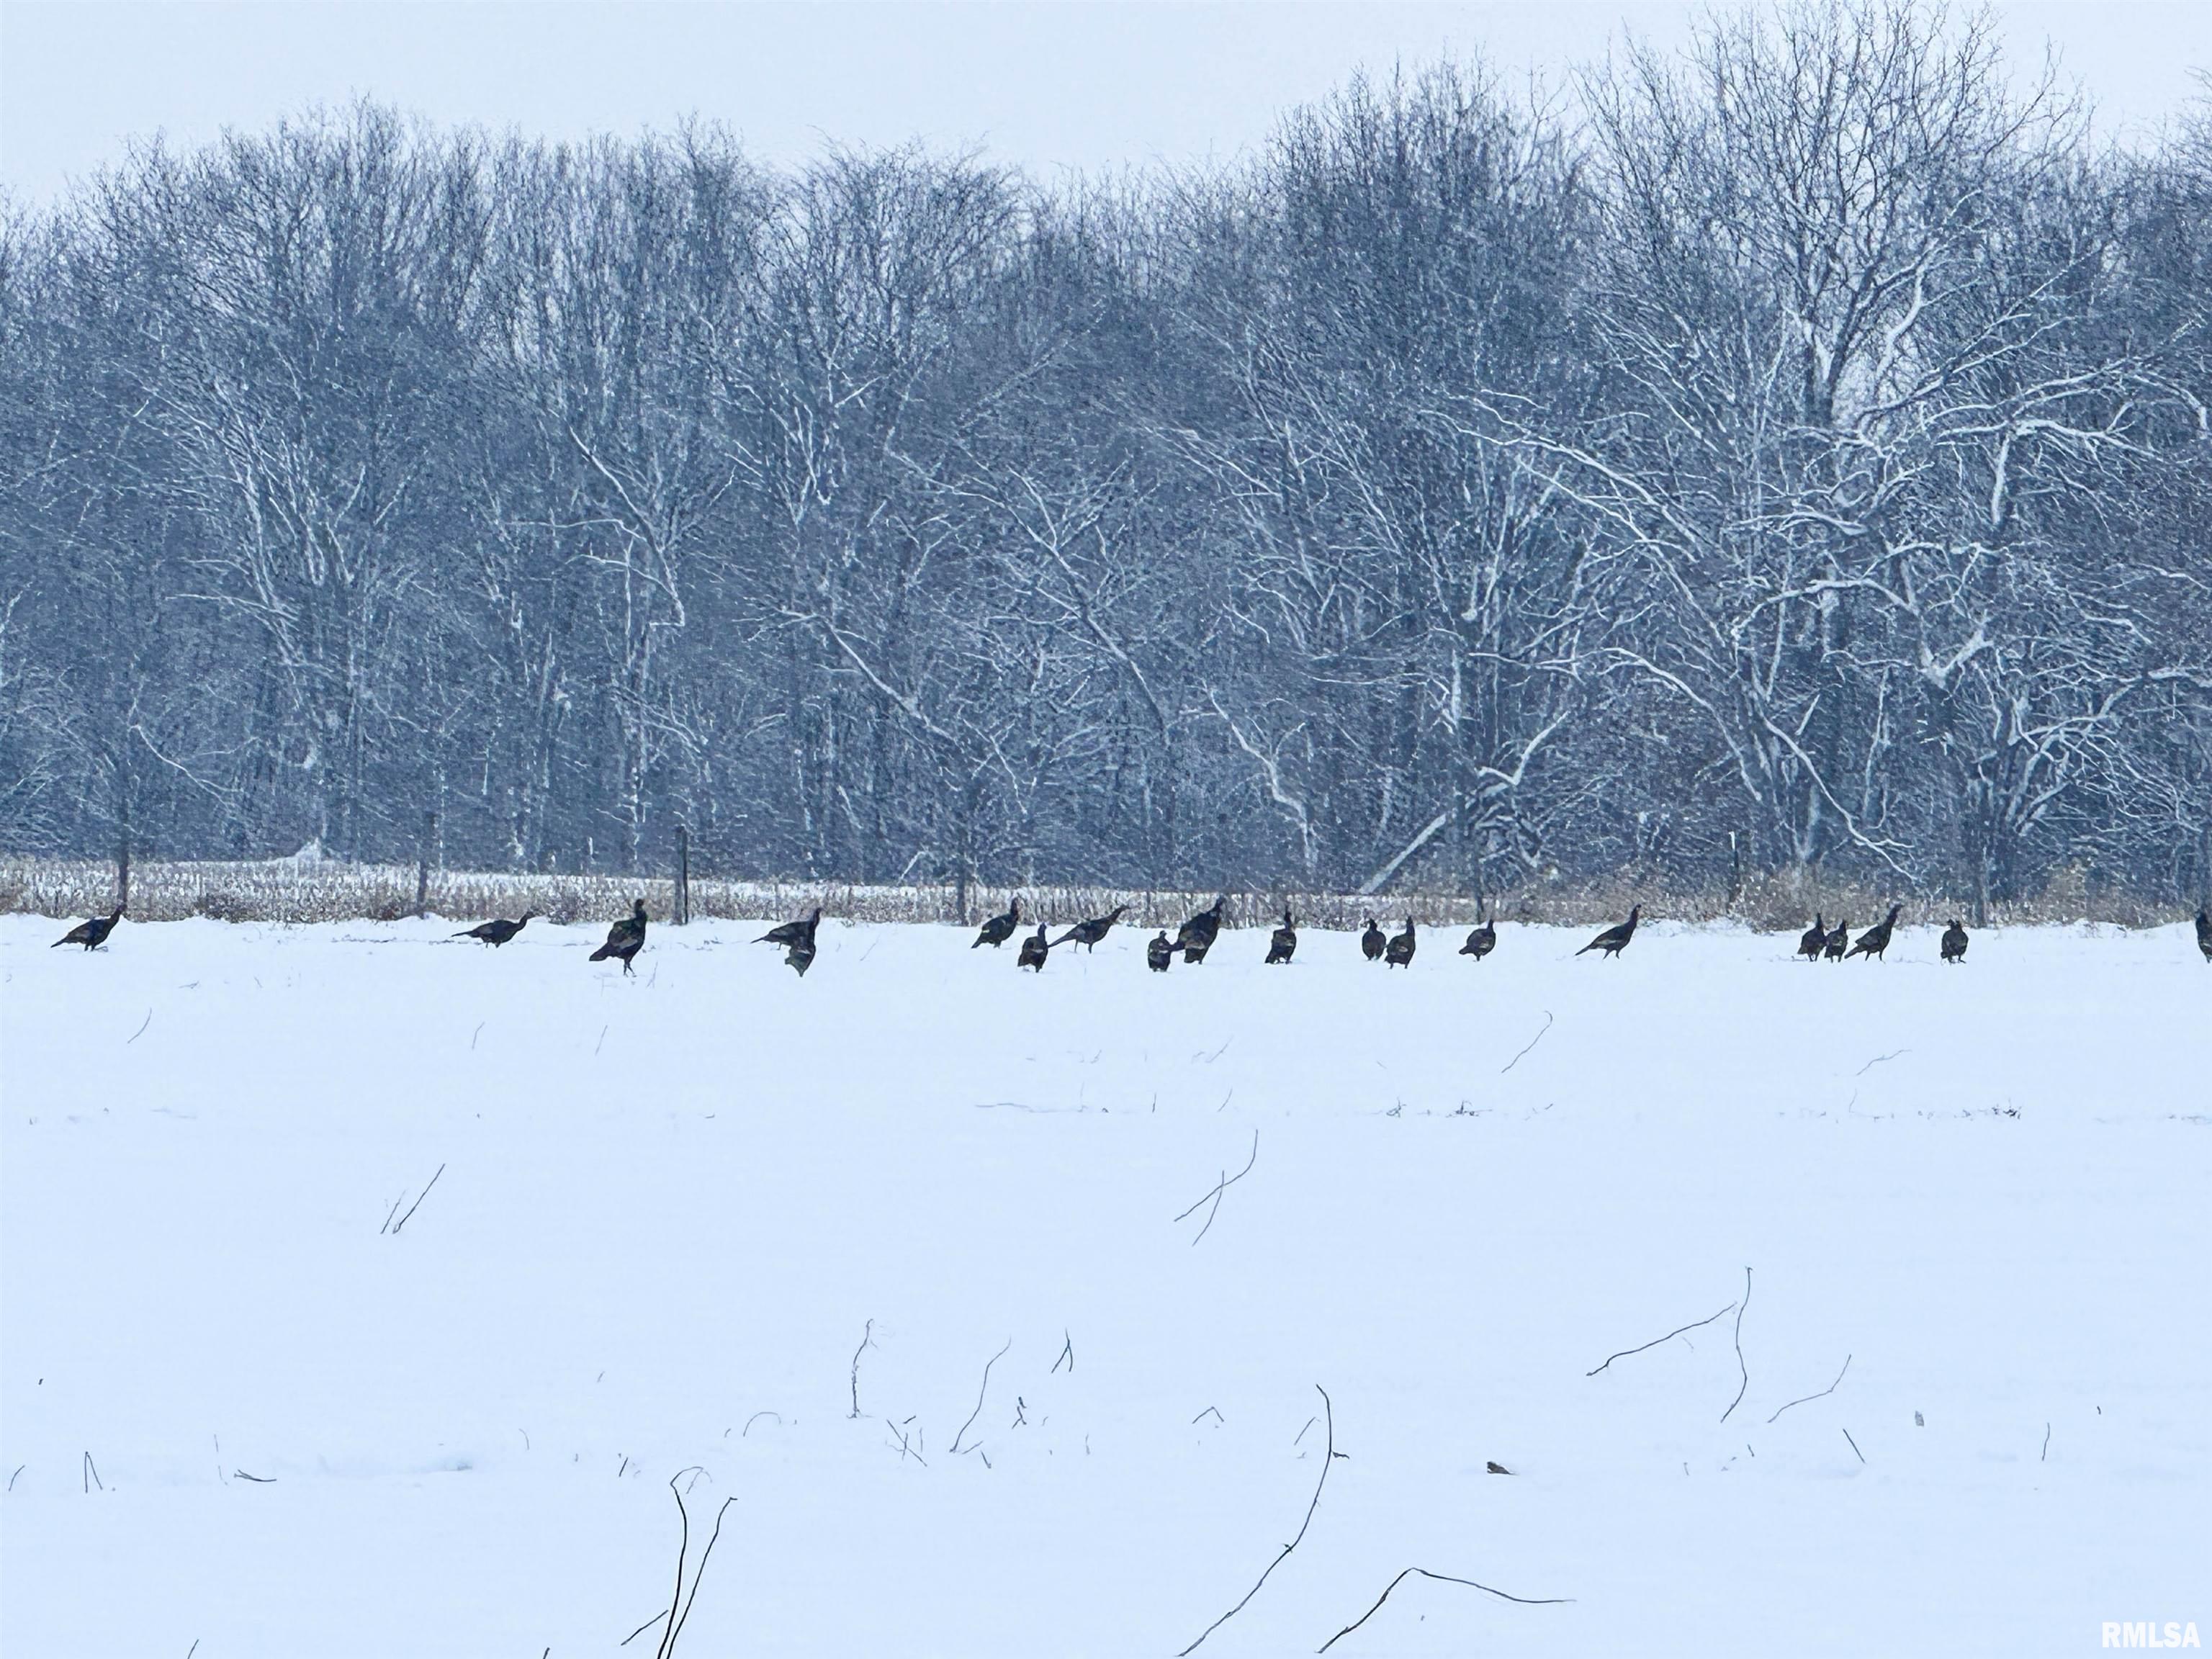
(290, 891)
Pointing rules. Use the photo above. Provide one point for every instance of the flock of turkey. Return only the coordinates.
(1196, 936)
(1192, 941)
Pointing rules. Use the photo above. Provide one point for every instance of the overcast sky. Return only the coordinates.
(1046, 85)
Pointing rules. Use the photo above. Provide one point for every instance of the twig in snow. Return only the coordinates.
(754, 1418)
(906, 1450)
(1669, 1337)
(1442, 1579)
(1739, 1366)
(258, 1479)
(1855, 1447)
(19, 1468)
(1220, 1187)
(1877, 1060)
(679, 1606)
(417, 1204)
(1502, 1071)
(867, 1341)
(2044, 1457)
(1823, 1394)
(1066, 1353)
(474, 1035)
(982, 1390)
(602, 1042)
(141, 1031)
(1217, 1417)
(91, 1472)
(1328, 1414)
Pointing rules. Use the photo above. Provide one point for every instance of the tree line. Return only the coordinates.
(1790, 455)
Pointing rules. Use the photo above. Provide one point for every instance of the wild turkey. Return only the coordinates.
(1875, 941)
(1371, 942)
(1614, 940)
(1195, 937)
(1398, 953)
(1283, 943)
(1000, 928)
(496, 932)
(801, 956)
(1088, 934)
(790, 932)
(94, 933)
(2204, 932)
(1159, 952)
(1837, 941)
(1034, 951)
(1814, 940)
(625, 938)
(1954, 941)
(1481, 941)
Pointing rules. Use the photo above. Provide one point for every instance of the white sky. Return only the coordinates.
(1046, 86)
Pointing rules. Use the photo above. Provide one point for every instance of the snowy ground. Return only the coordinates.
(669, 1207)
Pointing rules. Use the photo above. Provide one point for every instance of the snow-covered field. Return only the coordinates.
(240, 1411)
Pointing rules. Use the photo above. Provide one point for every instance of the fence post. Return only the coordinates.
(123, 872)
(683, 876)
(422, 864)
